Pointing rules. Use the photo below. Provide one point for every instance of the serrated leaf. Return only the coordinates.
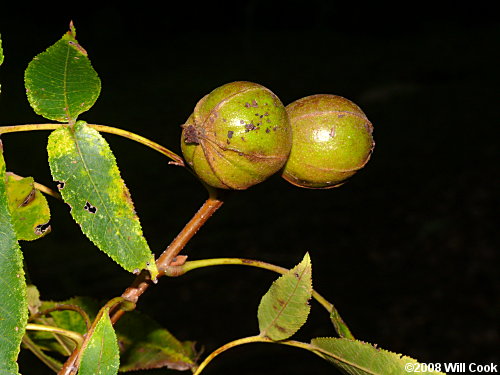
(13, 305)
(89, 181)
(29, 209)
(60, 82)
(360, 358)
(100, 355)
(285, 307)
(146, 345)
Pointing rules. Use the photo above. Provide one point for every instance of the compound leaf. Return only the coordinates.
(285, 307)
(60, 82)
(13, 300)
(89, 181)
(360, 358)
(28, 207)
(100, 354)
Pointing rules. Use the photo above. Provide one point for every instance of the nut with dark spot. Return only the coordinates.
(232, 154)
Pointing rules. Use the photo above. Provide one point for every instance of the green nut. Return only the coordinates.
(332, 140)
(237, 136)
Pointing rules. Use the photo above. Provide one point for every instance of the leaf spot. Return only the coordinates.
(88, 207)
(60, 185)
(28, 199)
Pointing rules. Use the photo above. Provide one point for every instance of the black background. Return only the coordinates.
(407, 250)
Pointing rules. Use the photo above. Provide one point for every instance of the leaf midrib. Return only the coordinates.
(109, 216)
(285, 305)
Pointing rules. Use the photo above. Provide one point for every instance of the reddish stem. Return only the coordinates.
(167, 258)
(143, 281)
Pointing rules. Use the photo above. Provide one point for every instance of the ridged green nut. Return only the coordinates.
(332, 140)
(237, 136)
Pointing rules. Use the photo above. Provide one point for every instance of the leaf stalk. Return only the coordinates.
(75, 336)
(176, 159)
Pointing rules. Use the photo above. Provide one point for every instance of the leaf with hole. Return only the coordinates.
(29, 208)
(285, 307)
(360, 358)
(100, 353)
(60, 82)
(89, 181)
(13, 305)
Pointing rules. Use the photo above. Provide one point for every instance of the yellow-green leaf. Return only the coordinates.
(360, 358)
(89, 181)
(28, 207)
(285, 307)
(13, 300)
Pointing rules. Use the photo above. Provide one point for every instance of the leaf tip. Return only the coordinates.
(153, 270)
(72, 29)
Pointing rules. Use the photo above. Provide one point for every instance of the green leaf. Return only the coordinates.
(339, 325)
(100, 355)
(66, 319)
(33, 299)
(13, 305)
(60, 82)
(146, 345)
(285, 307)
(70, 319)
(89, 181)
(29, 208)
(360, 358)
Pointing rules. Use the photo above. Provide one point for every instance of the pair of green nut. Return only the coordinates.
(240, 134)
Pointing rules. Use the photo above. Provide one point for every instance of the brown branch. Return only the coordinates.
(143, 281)
(168, 257)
